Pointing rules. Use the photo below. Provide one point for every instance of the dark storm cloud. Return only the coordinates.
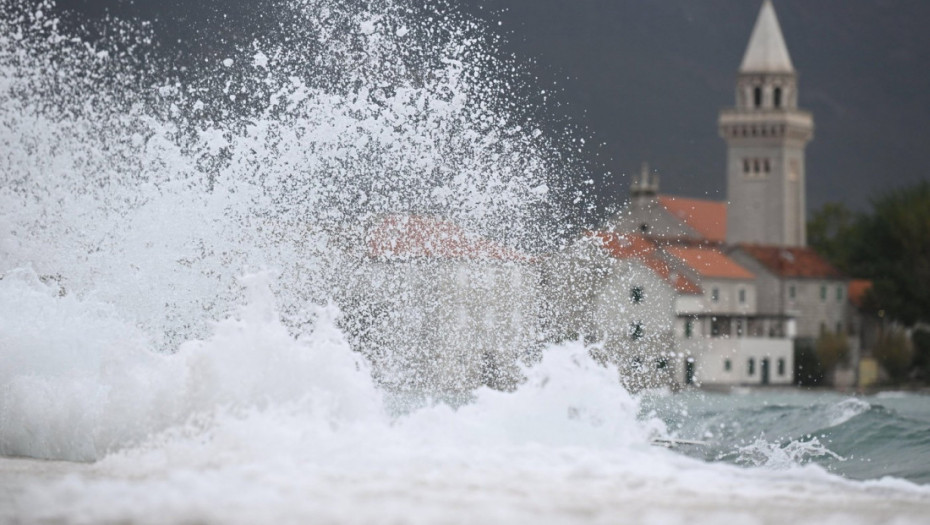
(646, 79)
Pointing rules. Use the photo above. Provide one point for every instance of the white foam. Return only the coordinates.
(79, 382)
(251, 424)
(844, 410)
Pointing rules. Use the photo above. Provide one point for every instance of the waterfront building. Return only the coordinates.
(469, 307)
(763, 292)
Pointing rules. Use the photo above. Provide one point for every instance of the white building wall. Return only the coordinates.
(622, 308)
(689, 304)
(617, 311)
(746, 356)
(466, 323)
(820, 305)
(729, 300)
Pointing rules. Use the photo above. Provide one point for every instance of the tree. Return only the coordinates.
(921, 341)
(831, 231)
(832, 350)
(893, 352)
(808, 371)
(890, 246)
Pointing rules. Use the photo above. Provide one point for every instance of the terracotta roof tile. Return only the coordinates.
(637, 247)
(623, 246)
(710, 263)
(708, 218)
(792, 261)
(681, 283)
(857, 291)
(411, 236)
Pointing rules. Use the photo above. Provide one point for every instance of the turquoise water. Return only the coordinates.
(857, 437)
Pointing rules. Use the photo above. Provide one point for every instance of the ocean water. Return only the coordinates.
(174, 348)
(857, 437)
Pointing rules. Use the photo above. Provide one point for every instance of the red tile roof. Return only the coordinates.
(792, 261)
(623, 246)
(411, 236)
(708, 218)
(857, 291)
(637, 247)
(710, 263)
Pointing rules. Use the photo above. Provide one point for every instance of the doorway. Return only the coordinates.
(689, 371)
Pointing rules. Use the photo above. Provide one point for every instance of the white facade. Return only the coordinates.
(465, 323)
(818, 304)
(725, 342)
(618, 305)
(741, 360)
(441, 312)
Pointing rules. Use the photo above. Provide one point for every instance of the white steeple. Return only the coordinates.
(766, 136)
(767, 51)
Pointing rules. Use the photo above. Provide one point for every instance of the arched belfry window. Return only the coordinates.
(757, 97)
(778, 97)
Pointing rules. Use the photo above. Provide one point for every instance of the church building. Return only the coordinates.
(759, 291)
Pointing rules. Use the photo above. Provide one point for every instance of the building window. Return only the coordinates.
(719, 326)
(766, 166)
(637, 331)
(661, 363)
(839, 328)
(757, 97)
(637, 294)
(839, 293)
(778, 97)
(792, 292)
(751, 367)
(715, 294)
(823, 292)
(745, 165)
(755, 166)
(644, 228)
(781, 367)
(689, 328)
(742, 296)
(739, 328)
(727, 365)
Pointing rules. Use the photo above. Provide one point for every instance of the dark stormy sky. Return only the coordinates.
(645, 79)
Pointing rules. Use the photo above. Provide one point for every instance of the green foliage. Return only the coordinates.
(921, 340)
(832, 349)
(893, 352)
(890, 246)
(808, 371)
(831, 231)
(893, 249)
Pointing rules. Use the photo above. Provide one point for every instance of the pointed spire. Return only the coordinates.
(767, 52)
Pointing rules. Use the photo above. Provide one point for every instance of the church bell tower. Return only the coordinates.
(766, 135)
